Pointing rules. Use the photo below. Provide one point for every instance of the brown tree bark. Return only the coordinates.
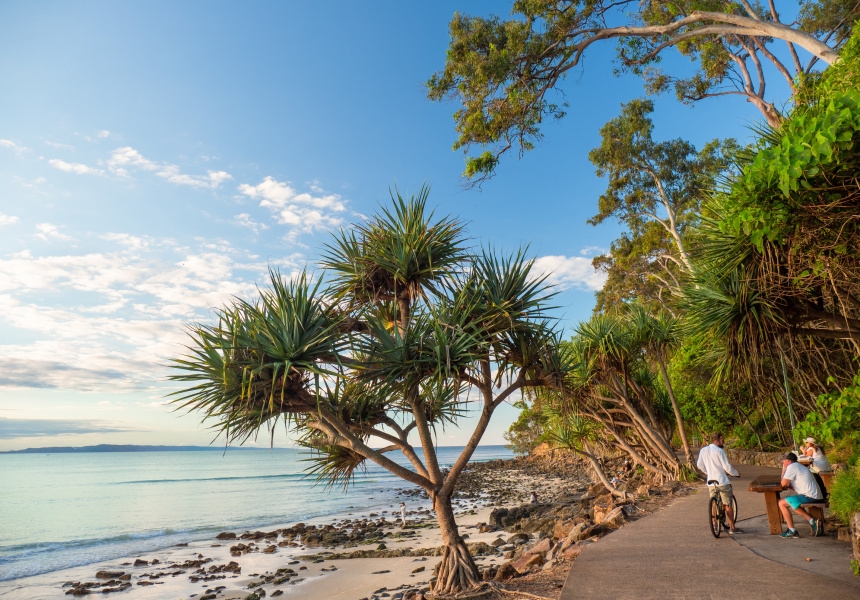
(457, 571)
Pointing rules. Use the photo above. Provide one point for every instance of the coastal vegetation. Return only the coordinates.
(732, 300)
(405, 331)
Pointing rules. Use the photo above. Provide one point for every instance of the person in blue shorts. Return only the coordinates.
(797, 477)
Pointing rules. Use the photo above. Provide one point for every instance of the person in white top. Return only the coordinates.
(403, 514)
(716, 466)
(820, 464)
(797, 477)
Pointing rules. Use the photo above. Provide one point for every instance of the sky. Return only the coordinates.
(157, 158)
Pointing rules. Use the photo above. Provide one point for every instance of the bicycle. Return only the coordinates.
(717, 512)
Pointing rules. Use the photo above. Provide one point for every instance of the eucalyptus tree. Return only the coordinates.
(502, 71)
(410, 331)
(654, 189)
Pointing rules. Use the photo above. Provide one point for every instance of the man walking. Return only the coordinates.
(798, 478)
(716, 466)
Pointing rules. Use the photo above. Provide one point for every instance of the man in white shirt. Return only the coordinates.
(716, 466)
(797, 477)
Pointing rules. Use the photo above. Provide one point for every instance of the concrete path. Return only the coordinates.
(672, 554)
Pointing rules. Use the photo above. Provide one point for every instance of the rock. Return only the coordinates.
(126, 577)
(542, 547)
(843, 534)
(506, 571)
(109, 574)
(270, 550)
(578, 532)
(562, 529)
(614, 519)
(643, 491)
(227, 535)
(141, 563)
(518, 539)
(498, 542)
(480, 549)
(381, 547)
(575, 549)
(527, 561)
(601, 511)
(419, 570)
(548, 565)
(277, 593)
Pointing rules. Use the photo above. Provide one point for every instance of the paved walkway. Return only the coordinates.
(672, 554)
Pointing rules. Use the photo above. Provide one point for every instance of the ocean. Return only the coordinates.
(66, 510)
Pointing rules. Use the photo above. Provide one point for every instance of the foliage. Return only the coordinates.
(502, 71)
(528, 430)
(845, 494)
(837, 417)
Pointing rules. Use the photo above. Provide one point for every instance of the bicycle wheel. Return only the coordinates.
(735, 509)
(715, 516)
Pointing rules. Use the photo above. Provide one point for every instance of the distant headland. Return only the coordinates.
(120, 448)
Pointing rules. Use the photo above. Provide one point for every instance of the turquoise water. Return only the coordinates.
(64, 510)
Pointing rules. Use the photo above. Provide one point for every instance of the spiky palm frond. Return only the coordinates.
(403, 253)
(504, 294)
(261, 360)
(332, 464)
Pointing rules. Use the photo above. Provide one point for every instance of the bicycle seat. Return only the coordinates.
(713, 482)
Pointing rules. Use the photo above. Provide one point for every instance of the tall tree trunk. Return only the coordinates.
(677, 410)
(457, 571)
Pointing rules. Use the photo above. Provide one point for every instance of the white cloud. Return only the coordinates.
(123, 158)
(104, 133)
(570, 272)
(244, 220)
(305, 212)
(109, 321)
(13, 146)
(59, 146)
(48, 232)
(78, 168)
(129, 157)
(592, 251)
(7, 219)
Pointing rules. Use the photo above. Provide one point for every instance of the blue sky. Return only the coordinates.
(156, 157)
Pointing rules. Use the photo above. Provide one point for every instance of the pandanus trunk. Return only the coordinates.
(457, 571)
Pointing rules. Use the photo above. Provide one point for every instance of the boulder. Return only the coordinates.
(578, 532)
(602, 507)
(518, 539)
(109, 574)
(548, 565)
(575, 549)
(527, 561)
(542, 547)
(506, 571)
(562, 529)
(141, 563)
(498, 542)
(643, 491)
(614, 519)
(227, 535)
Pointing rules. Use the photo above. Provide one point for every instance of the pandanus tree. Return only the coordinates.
(609, 393)
(410, 331)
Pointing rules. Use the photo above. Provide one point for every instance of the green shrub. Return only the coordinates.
(845, 493)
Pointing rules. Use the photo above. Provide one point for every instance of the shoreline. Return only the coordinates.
(298, 560)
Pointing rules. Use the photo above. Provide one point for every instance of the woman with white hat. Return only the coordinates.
(820, 464)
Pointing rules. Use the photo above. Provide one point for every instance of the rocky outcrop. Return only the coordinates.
(751, 457)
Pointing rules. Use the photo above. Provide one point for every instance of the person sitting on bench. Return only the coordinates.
(797, 477)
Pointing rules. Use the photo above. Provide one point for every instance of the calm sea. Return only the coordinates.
(64, 510)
